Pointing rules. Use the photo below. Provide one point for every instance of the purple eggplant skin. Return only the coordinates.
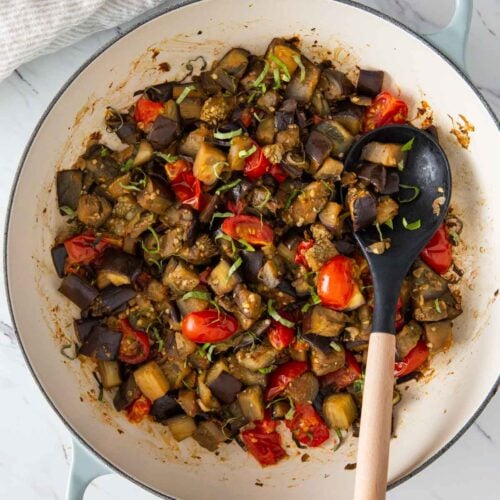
(383, 180)
(128, 133)
(59, 255)
(225, 387)
(163, 133)
(252, 263)
(318, 341)
(78, 291)
(160, 92)
(118, 262)
(127, 393)
(84, 326)
(285, 115)
(111, 299)
(364, 211)
(69, 187)
(370, 82)
(164, 408)
(101, 343)
(318, 147)
(286, 287)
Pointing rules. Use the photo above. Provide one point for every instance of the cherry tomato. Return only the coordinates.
(173, 170)
(187, 188)
(344, 376)
(307, 426)
(300, 257)
(413, 360)
(146, 111)
(86, 247)
(236, 207)
(139, 409)
(317, 119)
(400, 320)
(282, 376)
(336, 282)
(263, 442)
(134, 346)
(256, 165)
(208, 326)
(385, 109)
(277, 172)
(280, 336)
(246, 117)
(437, 253)
(248, 228)
(143, 279)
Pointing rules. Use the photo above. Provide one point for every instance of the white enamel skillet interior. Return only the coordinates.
(430, 415)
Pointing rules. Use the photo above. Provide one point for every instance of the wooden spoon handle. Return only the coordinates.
(376, 417)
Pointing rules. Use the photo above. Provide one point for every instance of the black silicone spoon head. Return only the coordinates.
(427, 169)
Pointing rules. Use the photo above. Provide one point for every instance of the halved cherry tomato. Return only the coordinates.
(344, 376)
(336, 282)
(187, 188)
(208, 326)
(413, 360)
(263, 442)
(256, 165)
(246, 117)
(400, 320)
(86, 247)
(437, 253)
(139, 409)
(173, 170)
(300, 257)
(236, 207)
(134, 346)
(282, 376)
(277, 172)
(307, 426)
(249, 228)
(146, 111)
(280, 336)
(385, 109)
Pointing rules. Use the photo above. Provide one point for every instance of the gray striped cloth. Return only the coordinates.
(30, 28)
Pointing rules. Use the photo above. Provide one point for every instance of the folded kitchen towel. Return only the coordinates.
(30, 28)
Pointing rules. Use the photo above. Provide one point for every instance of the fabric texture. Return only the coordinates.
(30, 28)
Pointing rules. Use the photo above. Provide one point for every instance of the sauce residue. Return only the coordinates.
(461, 130)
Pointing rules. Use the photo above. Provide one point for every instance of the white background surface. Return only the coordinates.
(35, 446)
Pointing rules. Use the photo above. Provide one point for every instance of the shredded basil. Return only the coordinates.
(228, 135)
(389, 224)
(379, 231)
(408, 145)
(286, 74)
(67, 211)
(292, 197)
(128, 165)
(167, 157)
(411, 226)
(266, 198)
(216, 166)
(226, 187)
(227, 238)
(262, 75)
(300, 64)
(103, 152)
(151, 329)
(184, 94)
(100, 397)
(156, 248)
(336, 347)
(245, 153)
(65, 347)
(414, 196)
(246, 245)
(256, 116)
(277, 80)
(236, 264)
(196, 294)
(267, 370)
(437, 306)
(291, 412)
(341, 439)
(207, 350)
(221, 215)
(276, 316)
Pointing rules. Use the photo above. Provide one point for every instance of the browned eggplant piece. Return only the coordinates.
(323, 363)
(387, 154)
(285, 52)
(324, 322)
(369, 82)
(190, 108)
(59, 255)
(155, 197)
(252, 264)
(318, 147)
(123, 125)
(127, 393)
(209, 435)
(111, 299)
(303, 389)
(438, 335)
(302, 86)
(249, 303)
(164, 408)
(285, 114)
(387, 209)
(163, 132)
(269, 101)
(160, 92)
(219, 279)
(266, 131)
(190, 144)
(216, 109)
(118, 268)
(251, 402)
(93, 210)
(319, 342)
(101, 169)
(334, 84)
(101, 343)
(340, 137)
(331, 219)
(69, 187)
(230, 69)
(320, 104)
(201, 252)
(362, 207)
(84, 326)
(407, 338)
(210, 207)
(270, 274)
(262, 356)
(225, 387)
(78, 291)
(426, 284)
(383, 180)
(209, 163)
(349, 116)
(208, 84)
(179, 277)
(330, 169)
(308, 204)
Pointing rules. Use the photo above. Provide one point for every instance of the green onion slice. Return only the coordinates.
(245, 153)
(226, 187)
(236, 264)
(411, 226)
(282, 66)
(300, 64)
(196, 294)
(228, 135)
(414, 196)
(408, 145)
(262, 75)
(167, 157)
(276, 316)
(184, 93)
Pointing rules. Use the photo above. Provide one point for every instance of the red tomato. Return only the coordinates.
(134, 346)
(300, 257)
(437, 253)
(173, 170)
(280, 336)
(344, 376)
(385, 109)
(282, 376)
(143, 279)
(400, 320)
(139, 409)
(413, 360)
(336, 282)
(246, 117)
(264, 443)
(248, 228)
(208, 326)
(256, 165)
(204, 275)
(277, 172)
(146, 111)
(307, 426)
(317, 119)
(236, 207)
(187, 188)
(86, 247)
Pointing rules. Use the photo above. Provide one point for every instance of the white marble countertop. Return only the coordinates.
(35, 450)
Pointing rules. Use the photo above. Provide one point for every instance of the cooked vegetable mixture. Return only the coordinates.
(221, 290)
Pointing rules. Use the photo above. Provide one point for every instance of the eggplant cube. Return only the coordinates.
(225, 387)
(102, 343)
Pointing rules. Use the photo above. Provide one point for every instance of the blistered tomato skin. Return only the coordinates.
(208, 326)
(336, 283)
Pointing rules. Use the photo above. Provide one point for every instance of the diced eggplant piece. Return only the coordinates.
(59, 255)
(118, 268)
(265, 131)
(269, 101)
(290, 139)
(78, 291)
(330, 169)
(230, 69)
(219, 279)
(109, 372)
(181, 427)
(209, 163)
(362, 207)
(252, 403)
(170, 243)
(249, 303)
(283, 51)
(323, 363)
(155, 197)
(195, 90)
(245, 375)
(190, 108)
(93, 210)
(111, 299)
(144, 153)
(171, 110)
(384, 181)
(426, 284)
(238, 144)
(350, 116)
(280, 410)
(262, 356)
(101, 343)
(302, 87)
(69, 187)
(163, 132)
(318, 147)
(308, 204)
(216, 109)
(319, 342)
(303, 389)
(387, 209)
(156, 291)
(208, 84)
(190, 144)
(187, 401)
(430, 310)
(339, 411)
(334, 84)
(407, 338)
(285, 116)
(165, 407)
(370, 82)
(387, 154)
(323, 321)
(128, 133)
(179, 277)
(438, 335)
(320, 104)
(225, 387)
(330, 217)
(201, 252)
(192, 304)
(252, 264)
(127, 393)
(340, 137)
(209, 435)
(151, 380)
(270, 274)
(274, 152)
(320, 253)
(84, 326)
